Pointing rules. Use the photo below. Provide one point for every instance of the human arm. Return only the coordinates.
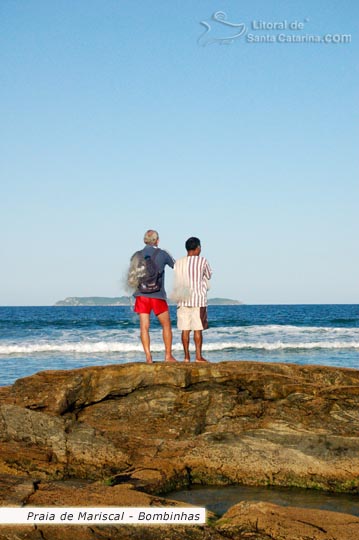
(207, 271)
(169, 260)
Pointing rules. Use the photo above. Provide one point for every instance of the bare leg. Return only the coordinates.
(198, 340)
(145, 335)
(185, 343)
(165, 321)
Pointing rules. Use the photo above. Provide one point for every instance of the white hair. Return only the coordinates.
(150, 237)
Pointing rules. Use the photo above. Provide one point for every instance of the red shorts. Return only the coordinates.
(144, 304)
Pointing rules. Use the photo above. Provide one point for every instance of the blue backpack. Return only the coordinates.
(150, 277)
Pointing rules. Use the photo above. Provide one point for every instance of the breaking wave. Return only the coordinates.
(103, 347)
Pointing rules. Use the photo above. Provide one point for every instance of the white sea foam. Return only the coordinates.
(103, 347)
(255, 338)
(77, 348)
(287, 329)
(281, 346)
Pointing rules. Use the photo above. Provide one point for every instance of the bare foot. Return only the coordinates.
(201, 359)
(170, 359)
(186, 360)
(149, 361)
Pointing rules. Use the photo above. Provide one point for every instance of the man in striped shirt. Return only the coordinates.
(192, 274)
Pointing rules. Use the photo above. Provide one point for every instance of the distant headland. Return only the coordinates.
(126, 300)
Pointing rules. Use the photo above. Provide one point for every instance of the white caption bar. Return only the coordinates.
(110, 515)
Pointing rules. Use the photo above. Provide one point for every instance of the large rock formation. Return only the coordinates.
(270, 521)
(157, 427)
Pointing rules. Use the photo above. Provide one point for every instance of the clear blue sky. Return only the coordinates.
(115, 118)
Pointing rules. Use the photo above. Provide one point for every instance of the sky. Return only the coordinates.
(118, 116)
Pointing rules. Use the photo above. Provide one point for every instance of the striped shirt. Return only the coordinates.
(192, 274)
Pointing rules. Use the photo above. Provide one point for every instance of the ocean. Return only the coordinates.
(41, 338)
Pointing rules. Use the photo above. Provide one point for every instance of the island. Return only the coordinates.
(125, 301)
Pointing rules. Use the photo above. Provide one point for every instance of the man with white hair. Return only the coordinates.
(147, 276)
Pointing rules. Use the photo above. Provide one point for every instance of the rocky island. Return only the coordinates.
(126, 301)
(124, 435)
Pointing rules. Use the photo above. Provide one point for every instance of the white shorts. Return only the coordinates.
(192, 318)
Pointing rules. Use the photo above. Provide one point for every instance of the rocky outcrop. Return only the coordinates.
(271, 521)
(156, 427)
(234, 422)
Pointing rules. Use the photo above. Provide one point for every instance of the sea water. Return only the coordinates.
(40, 338)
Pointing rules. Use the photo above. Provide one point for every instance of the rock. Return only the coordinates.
(15, 491)
(106, 433)
(275, 522)
(255, 521)
(35, 441)
(233, 422)
(81, 493)
(103, 532)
